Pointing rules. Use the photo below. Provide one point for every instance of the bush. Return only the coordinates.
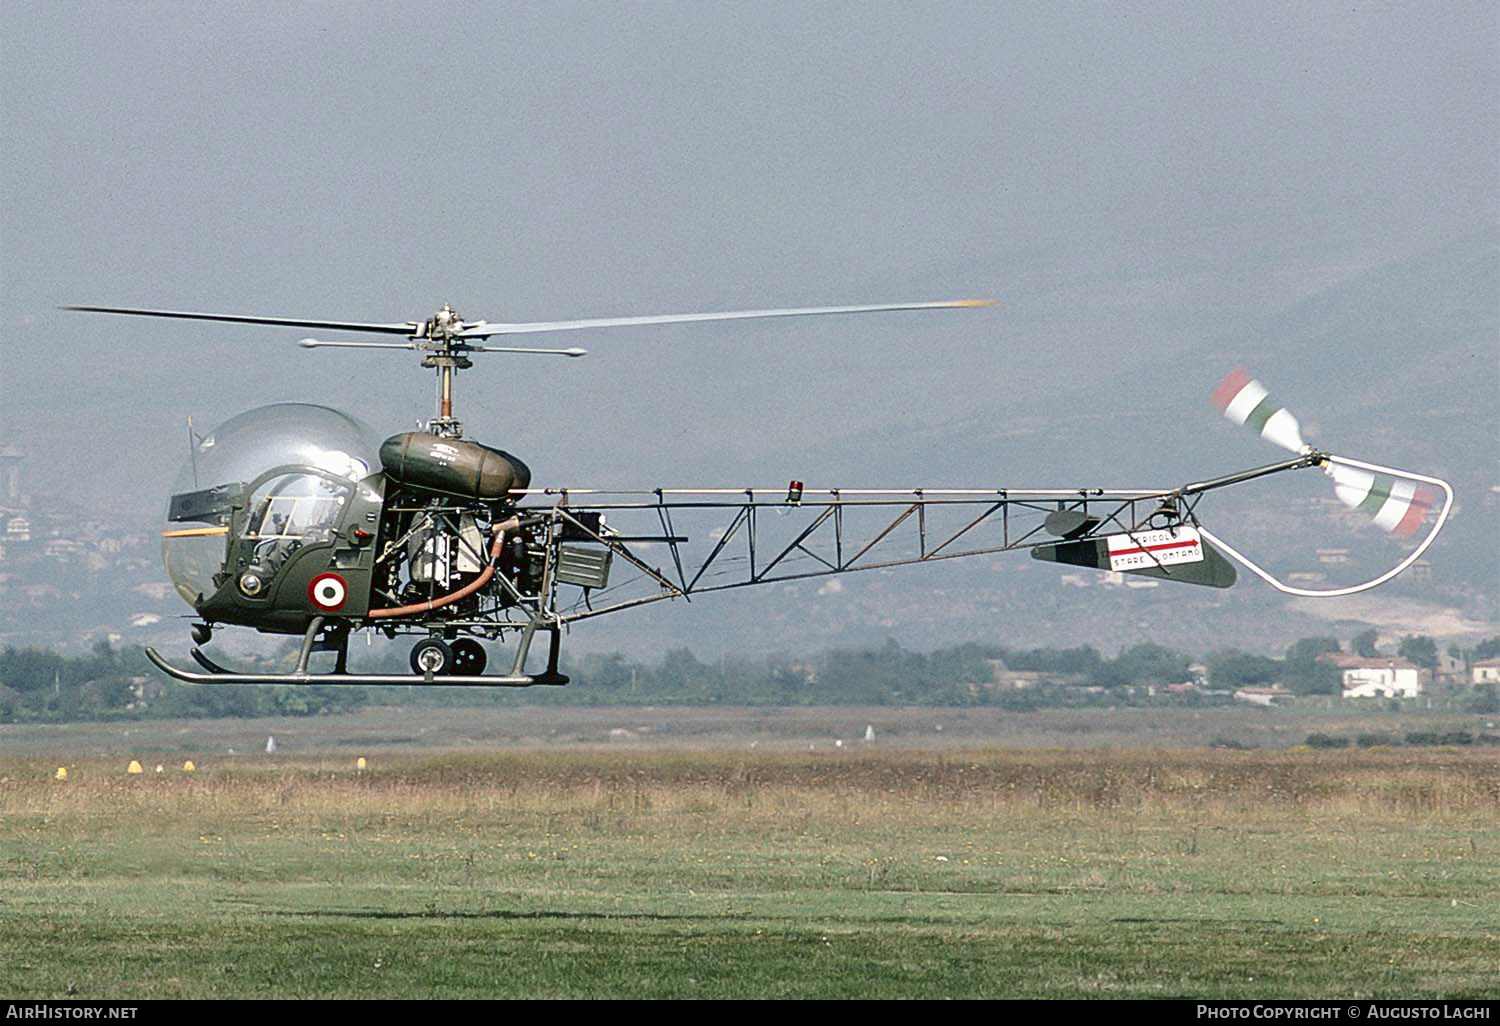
(1326, 741)
(1486, 699)
(1429, 738)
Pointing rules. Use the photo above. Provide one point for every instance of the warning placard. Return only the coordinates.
(1142, 550)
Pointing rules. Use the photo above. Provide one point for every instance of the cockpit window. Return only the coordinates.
(296, 506)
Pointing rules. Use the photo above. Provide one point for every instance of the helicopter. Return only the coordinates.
(297, 519)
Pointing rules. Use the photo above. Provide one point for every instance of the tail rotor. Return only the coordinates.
(1398, 504)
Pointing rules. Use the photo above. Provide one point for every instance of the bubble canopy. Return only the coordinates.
(329, 446)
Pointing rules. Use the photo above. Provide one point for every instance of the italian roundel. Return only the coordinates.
(328, 591)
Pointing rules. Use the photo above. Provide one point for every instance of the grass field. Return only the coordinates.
(684, 871)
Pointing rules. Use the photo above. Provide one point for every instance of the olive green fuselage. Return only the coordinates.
(282, 596)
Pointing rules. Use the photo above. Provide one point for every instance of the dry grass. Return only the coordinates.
(1382, 783)
(706, 872)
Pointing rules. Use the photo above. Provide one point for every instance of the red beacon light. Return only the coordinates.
(794, 493)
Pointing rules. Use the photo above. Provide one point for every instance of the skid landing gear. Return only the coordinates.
(434, 662)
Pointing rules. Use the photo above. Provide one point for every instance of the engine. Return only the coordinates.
(445, 499)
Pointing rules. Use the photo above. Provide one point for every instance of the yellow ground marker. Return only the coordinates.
(61, 774)
(360, 763)
(134, 768)
(188, 767)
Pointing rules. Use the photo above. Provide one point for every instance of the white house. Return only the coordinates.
(1379, 677)
(1487, 671)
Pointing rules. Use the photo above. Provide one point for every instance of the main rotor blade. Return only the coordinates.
(484, 330)
(408, 328)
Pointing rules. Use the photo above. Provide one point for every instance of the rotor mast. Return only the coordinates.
(443, 341)
(448, 353)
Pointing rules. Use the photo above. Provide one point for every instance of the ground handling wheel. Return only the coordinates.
(432, 656)
(468, 657)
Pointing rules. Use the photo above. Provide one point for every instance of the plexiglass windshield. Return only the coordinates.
(319, 453)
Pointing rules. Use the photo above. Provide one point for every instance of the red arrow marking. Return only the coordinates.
(1155, 548)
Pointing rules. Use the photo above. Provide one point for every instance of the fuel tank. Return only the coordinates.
(452, 466)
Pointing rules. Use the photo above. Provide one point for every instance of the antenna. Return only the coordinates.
(193, 449)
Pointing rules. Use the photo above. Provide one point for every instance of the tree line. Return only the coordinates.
(45, 686)
(40, 685)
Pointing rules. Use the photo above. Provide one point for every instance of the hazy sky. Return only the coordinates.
(1088, 163)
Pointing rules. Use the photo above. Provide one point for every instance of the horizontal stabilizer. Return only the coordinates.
(1172, 554)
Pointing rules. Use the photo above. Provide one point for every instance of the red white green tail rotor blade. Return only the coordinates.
(1396, 504)
(1245, 401)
